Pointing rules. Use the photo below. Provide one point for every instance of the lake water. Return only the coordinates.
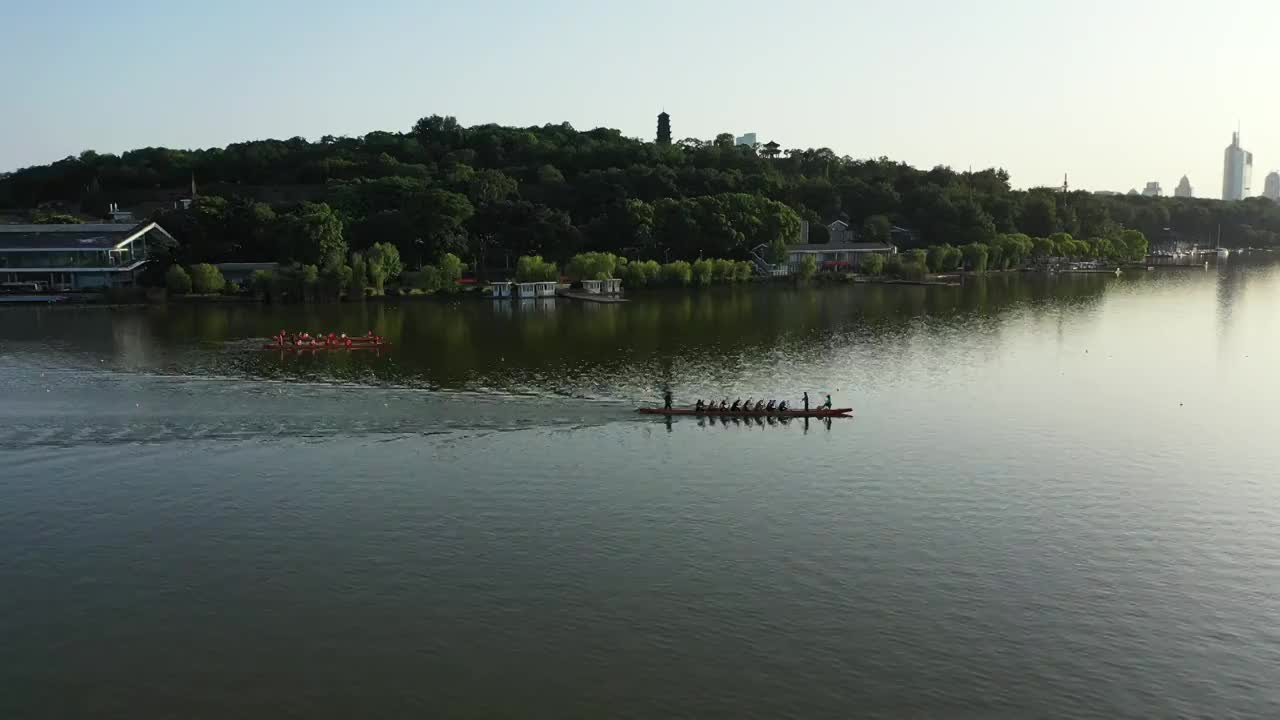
(1058, 498)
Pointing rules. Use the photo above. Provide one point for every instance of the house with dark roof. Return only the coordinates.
(78, 257)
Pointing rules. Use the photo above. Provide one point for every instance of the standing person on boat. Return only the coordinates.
(666, 400)
(806, 401)
(827, 405)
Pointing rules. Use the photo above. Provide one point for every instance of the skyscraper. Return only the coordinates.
(1153, 189)
(664, 128)
(1237, 170)
(1271, 190)
(1183, 189)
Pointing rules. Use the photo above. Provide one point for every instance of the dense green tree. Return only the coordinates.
(1131, 245)
(314, 232)
(975, 256)
(677, 273)
(877, 228)
(1039, 215)
(177, 280)
(450, 270)
(532, 268)
(359, 277)
(206, 278)
(382, 263)
(704, 271)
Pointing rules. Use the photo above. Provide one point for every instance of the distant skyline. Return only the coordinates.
(1041, 89)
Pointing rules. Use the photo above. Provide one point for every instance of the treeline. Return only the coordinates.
(649, 273)
(491, 194)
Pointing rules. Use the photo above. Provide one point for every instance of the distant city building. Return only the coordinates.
(1132, 191)
(1237, 170)
(1105, 193)
(1271, 189)
(1183, 189)
(748, 139)
(1152, 189)
(664, 128)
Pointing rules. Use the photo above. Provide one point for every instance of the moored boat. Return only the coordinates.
(717, 412)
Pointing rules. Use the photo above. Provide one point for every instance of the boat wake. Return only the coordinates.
(70, 407)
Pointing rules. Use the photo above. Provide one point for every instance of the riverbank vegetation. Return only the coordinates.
(332, 211)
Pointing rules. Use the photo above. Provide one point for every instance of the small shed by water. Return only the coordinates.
(608, 286)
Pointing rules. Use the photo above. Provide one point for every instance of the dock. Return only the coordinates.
(590, 297)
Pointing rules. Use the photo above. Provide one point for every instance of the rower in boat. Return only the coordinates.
(760, 406)
(827, 404)
(782, 406)
(724, 404)
(769, 407)
(736, 404)
(699, 406)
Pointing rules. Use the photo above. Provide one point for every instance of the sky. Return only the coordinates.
(1110, 93)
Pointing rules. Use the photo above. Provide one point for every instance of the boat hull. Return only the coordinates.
(815, 413)
(314, 348)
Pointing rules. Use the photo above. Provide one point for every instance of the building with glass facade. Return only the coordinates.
(78, 257)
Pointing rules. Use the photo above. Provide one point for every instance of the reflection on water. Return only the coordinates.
(557, 346)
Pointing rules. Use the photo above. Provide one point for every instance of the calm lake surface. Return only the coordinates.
(1058, 498)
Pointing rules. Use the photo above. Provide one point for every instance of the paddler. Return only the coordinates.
(806, 402)
(827, 405)
(699, 406)
(736, 404)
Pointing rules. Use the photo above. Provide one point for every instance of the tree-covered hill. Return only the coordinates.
(489, 191)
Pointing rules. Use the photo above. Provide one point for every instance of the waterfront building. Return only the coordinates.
(1184, 188)
(242, 272)
(78, 257)
(1237, 170)
(1152, 189)
(1271, 189)
(837, 256)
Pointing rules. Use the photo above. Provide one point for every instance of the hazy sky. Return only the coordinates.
(1113, 93)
